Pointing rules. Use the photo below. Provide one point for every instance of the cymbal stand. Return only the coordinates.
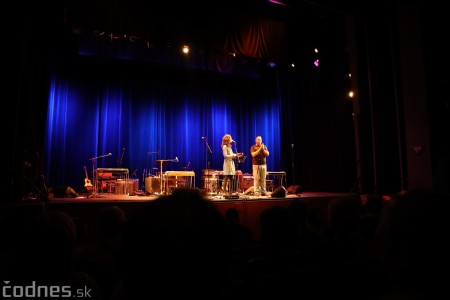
(161, 189)
(94, 178)
(148, 172)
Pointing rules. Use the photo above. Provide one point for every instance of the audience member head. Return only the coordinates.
(278, 229)
(112, 221)
(344, 214)
(49, 243)
(374, 205)
(299, 210)
(232, 214)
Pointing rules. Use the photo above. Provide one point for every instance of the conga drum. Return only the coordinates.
(133, 185)
(208, 179)
(120, 187)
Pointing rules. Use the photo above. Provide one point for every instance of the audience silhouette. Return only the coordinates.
(44, 254)
(175, 247)
(99, 257)
(413, 244)
(240, 235)
(181, 246)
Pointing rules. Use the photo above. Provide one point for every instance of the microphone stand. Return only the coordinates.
(93, 159)
(236, 179)
(121, 158)
(206, 156)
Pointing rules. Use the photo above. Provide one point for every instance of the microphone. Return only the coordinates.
(203, 137)
(233, 141)
(176, 159)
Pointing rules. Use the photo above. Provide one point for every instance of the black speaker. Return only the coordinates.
(294, 189)
(64, 192)
(279, 192)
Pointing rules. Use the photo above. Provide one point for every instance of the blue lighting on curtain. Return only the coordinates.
(140, 121)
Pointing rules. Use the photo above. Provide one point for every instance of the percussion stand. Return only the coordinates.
(161, 163)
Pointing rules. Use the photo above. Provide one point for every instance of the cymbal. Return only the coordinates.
(161, 162)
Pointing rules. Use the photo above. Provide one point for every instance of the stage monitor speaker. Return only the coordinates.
(64, 192)
(295, 189)
(279, 192)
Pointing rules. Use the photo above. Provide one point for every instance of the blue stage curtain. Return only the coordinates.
(139, 121)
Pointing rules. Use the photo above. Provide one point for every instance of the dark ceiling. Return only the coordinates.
(203, 23)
